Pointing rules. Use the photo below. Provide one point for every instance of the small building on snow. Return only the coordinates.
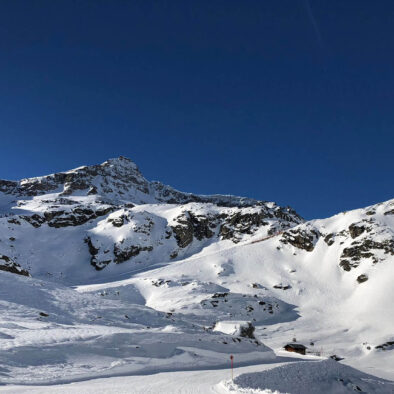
(296, 348)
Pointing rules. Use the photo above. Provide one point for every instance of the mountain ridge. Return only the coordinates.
(115, 178)
(117, 216)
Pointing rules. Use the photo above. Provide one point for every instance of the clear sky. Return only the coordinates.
(287, 101)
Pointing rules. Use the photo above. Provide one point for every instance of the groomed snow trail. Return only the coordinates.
(188, 382)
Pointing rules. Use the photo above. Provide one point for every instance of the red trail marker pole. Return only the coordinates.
(232, 367)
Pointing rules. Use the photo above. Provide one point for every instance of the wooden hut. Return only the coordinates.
(296, 348)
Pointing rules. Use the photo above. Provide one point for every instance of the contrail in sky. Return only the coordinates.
(313, 22)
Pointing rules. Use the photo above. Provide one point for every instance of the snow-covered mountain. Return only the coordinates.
(119, 180)
(106, 273)
(109, 216)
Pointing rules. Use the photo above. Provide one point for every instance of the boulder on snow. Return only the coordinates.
(362, 278)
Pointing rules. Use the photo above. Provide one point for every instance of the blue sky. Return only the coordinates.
(287, 101)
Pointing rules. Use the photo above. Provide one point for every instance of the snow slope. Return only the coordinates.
(287, 291)
(309, 377)
(50, 333)
(108, 274)
(180, 382)
(268, 378)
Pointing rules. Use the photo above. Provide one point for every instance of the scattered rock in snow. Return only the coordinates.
(389, 345)
(362, 278)
(283, 287)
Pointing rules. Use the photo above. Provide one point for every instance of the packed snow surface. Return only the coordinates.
(309, 377)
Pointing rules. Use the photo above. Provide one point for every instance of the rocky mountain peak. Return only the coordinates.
(118, 215)
(113, 178)
(121, 163)
(119, 181)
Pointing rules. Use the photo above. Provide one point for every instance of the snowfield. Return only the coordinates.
(51, 333)
(107, 276)
(286, 377)
(309, 377)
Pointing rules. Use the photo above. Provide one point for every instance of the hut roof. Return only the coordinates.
(296, 346)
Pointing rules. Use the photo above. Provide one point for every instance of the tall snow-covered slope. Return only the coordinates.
(326, 282)
(182, 279)
(69, 225)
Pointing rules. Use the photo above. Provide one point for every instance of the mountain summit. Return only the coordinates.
(117, 179)
(114, 214)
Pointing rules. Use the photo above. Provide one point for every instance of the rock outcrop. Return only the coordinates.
(301, 237)
(364, 249)
(8, 265)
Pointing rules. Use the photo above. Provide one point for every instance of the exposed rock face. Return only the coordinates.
(65, 218)
(113, 175)
(239, 223)
(351, 256)
(35, 220)
(346, 265)
(230, 224)
(125, 253)
(167, 194)
(76, 217)
(7, 264)
(7, 186)
(193, 226)
(235, 226)
(370, 238)
(14, 221)
(92, 249)
(247, 331)
(183, 233)
(301, 238)
(329, 239)
(356, 230)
